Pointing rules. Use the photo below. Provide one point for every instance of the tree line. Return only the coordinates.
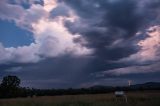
(10, 88)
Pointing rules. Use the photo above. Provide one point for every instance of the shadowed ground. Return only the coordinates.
(150, 98)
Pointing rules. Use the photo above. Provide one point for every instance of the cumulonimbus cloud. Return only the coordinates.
(51, 37)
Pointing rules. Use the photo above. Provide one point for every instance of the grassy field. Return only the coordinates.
(151, 98)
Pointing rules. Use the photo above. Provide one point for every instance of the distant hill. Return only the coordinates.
(145, 86)
(148, 85)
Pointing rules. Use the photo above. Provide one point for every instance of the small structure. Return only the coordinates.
(120, 95)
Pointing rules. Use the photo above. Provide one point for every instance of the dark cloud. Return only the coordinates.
(123, 15)
(109, 27)
(105, 22)
(58, 72)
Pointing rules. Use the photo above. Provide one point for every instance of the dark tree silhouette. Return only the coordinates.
(10, 87)
(11, 81)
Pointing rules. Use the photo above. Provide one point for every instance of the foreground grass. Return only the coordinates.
(134, 99)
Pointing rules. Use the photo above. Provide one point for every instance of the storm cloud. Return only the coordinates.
(110, 26)
(84, 42)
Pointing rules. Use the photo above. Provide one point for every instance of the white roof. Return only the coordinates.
(119, 93)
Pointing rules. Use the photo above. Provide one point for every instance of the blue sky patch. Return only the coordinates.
(13, 36)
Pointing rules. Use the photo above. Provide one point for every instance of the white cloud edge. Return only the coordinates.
(51, 37)
(149, 47)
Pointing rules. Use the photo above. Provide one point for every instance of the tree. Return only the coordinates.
(10, 87)
(11, 81)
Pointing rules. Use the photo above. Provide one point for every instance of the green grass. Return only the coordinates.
(134, 99)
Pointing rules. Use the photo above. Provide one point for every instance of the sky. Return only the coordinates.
(80, 43)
